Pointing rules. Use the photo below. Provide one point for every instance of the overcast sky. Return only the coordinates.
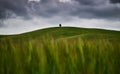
(19, 16)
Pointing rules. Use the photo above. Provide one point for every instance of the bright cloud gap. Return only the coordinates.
(39, 23)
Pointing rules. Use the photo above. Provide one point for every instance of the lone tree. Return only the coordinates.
(60, 25)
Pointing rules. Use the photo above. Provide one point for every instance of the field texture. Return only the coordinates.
(66, 50)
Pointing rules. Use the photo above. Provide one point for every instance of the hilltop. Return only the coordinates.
(57, 32)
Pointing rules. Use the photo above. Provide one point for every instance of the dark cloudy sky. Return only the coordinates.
(18, 16)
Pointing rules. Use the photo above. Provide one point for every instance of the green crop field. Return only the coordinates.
(65, 50)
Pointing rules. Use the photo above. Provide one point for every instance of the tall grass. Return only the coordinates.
(59, 56)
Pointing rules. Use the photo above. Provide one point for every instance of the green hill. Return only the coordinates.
(65, 50)
(57, 32)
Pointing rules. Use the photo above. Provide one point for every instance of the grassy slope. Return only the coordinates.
(57, 32)
(66, 50)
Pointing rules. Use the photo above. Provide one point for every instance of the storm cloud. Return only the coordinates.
(14, 6)
(81, 8)
(115, 1)
(64, 11)
(46, 8)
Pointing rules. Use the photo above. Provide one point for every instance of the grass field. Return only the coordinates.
(66, 50)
